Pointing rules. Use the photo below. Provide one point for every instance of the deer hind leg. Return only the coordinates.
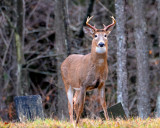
(103, 101)
(80, 101)
(75, 102)
(69, 92)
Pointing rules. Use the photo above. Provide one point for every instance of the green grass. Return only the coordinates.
(86, 123)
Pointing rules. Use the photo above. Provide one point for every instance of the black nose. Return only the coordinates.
(101, 44)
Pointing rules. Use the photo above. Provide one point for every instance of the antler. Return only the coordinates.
(113, 23)
(87, 23)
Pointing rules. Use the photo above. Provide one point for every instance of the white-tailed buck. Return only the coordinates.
(87, 72)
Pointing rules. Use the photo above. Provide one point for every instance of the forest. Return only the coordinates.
(37, 35)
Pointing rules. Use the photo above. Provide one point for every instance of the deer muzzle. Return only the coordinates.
(101, 44)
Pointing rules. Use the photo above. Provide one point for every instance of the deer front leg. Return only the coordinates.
(80, 102)
(102, 100)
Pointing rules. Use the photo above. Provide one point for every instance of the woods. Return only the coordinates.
(37, 35)
(122, 84)
(143, 105)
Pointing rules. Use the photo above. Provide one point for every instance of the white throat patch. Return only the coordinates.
(100, 50)
(101, 61)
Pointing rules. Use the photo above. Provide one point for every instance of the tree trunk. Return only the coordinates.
(140, 29)
(158, 105)
(89, 11)
(158, 96)
(122, 89)
(22, 81)
(60, 42)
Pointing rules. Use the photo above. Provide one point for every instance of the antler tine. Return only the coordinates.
(113, 23)
(87, 23)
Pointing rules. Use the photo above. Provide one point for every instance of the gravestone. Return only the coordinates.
(116, 111)
(29, 107)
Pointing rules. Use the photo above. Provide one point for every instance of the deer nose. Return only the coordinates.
(101, 44)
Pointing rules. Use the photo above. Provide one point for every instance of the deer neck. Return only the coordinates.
(99, 59)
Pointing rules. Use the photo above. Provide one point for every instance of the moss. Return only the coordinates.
(18, 47)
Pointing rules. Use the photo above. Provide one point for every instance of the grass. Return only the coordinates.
(86, 123)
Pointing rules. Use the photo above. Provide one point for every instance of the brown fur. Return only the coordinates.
(86, 73)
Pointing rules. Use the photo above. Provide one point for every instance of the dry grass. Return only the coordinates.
(86, 123)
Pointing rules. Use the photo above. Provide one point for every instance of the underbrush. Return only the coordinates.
(86, 123)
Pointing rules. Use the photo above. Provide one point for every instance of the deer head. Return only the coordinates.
(100, 41)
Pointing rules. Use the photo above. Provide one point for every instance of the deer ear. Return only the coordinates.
(88, 31)
(109, 29)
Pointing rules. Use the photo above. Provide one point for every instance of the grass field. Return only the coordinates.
(86, 123)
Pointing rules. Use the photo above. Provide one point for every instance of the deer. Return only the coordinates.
(84, 73)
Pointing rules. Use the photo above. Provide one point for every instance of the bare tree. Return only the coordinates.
(60, 48)
(122, 89)
(140, 27)
(22, 81)
(158, 96)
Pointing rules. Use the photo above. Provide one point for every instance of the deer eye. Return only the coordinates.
(105, 35)
(95, 35)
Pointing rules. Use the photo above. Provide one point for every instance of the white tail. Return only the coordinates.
(86, 72)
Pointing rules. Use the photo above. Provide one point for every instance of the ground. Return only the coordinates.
(86, 123)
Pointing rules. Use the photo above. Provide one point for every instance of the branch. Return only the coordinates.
(6, 51)
(38, 71)
(41, 57)
(33, 10)
(89, 11)
(100, 3)
(38, 30)
(8, 19)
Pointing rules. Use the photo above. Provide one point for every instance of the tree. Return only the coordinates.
(60, 41)
(140, 29)
(22, 85)
(158, 96)
(122, 89)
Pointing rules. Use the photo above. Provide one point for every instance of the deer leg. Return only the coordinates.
(80, 102)
(102, 100)
(75, 102)
(70, 102)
